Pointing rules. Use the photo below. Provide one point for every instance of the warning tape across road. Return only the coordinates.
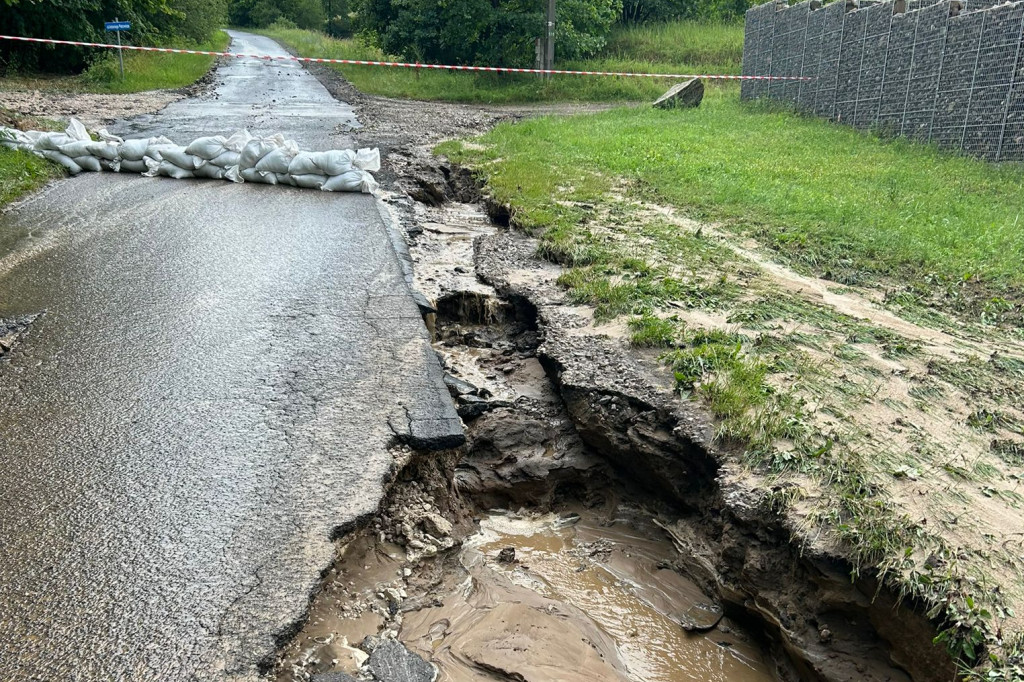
(407, 65)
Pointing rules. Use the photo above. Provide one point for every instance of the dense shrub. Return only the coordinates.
(309, 14)
(500, 32)
(644, 11)
(153, 21)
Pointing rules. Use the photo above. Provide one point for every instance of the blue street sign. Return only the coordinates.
(118, 25)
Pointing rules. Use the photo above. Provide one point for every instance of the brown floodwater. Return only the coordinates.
(586, 599)
(578, 579)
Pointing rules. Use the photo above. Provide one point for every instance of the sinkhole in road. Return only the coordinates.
(521, 555)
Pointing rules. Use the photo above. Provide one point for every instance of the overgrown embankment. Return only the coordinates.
(847, 308)
(677, 47)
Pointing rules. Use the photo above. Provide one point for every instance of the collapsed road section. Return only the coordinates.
(584, 531)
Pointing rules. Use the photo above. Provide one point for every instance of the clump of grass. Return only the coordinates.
(650, 331)
(22, 172)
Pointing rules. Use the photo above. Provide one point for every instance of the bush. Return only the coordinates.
(308, 14)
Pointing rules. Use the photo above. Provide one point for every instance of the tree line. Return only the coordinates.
(153, 22)
(498, 32)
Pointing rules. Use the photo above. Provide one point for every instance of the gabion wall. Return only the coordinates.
(948, 72)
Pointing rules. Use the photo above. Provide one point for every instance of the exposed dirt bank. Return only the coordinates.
(561, 420)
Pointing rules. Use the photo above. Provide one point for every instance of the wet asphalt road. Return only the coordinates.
(207, 396)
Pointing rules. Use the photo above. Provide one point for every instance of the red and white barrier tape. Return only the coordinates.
(360, 62)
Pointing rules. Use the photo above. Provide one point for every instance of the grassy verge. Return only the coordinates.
(21, 172)
(848, 308)
(675, 48)
(143, 71)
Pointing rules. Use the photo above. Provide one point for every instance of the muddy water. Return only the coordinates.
(587, 600)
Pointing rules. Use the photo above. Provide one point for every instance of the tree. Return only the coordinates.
(262, 13)
(153, 21)
(494, 32)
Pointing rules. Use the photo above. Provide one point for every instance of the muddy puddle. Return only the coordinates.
(588, 599)
(577, 595)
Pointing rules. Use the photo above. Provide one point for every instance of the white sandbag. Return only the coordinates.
(285, 179)
(89, 163)
(16, 139)
(172, 170)
(276, 161)
(156, 151)
(255, 150)
(305, 163)
(63, 160)
(180, 158)
(133, 150)
(237, 142)
(52, 142)
(353, 181)
(336, 161)
(129, 166)
(76, 148)
(208, 170)
(309, 181)
(76, 130)
(207, 147)
(107, 137)
(233, 174)
(104, 150)
(112, 166)
(367, 160)
(227, 159)
(253, 175)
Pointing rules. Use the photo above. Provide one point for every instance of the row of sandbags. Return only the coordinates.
(239, 158)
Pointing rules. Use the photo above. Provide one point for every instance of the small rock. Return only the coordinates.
(507, 555)
(436, 525)
(390, 661)
(824, 635)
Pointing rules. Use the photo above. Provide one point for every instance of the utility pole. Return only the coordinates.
(549, 43)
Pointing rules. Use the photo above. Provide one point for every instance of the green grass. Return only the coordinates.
(153, 70)
(143, 71)
(699, 48)
(792, 384)
(714, 46)
(21, 172)
(829, 198)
